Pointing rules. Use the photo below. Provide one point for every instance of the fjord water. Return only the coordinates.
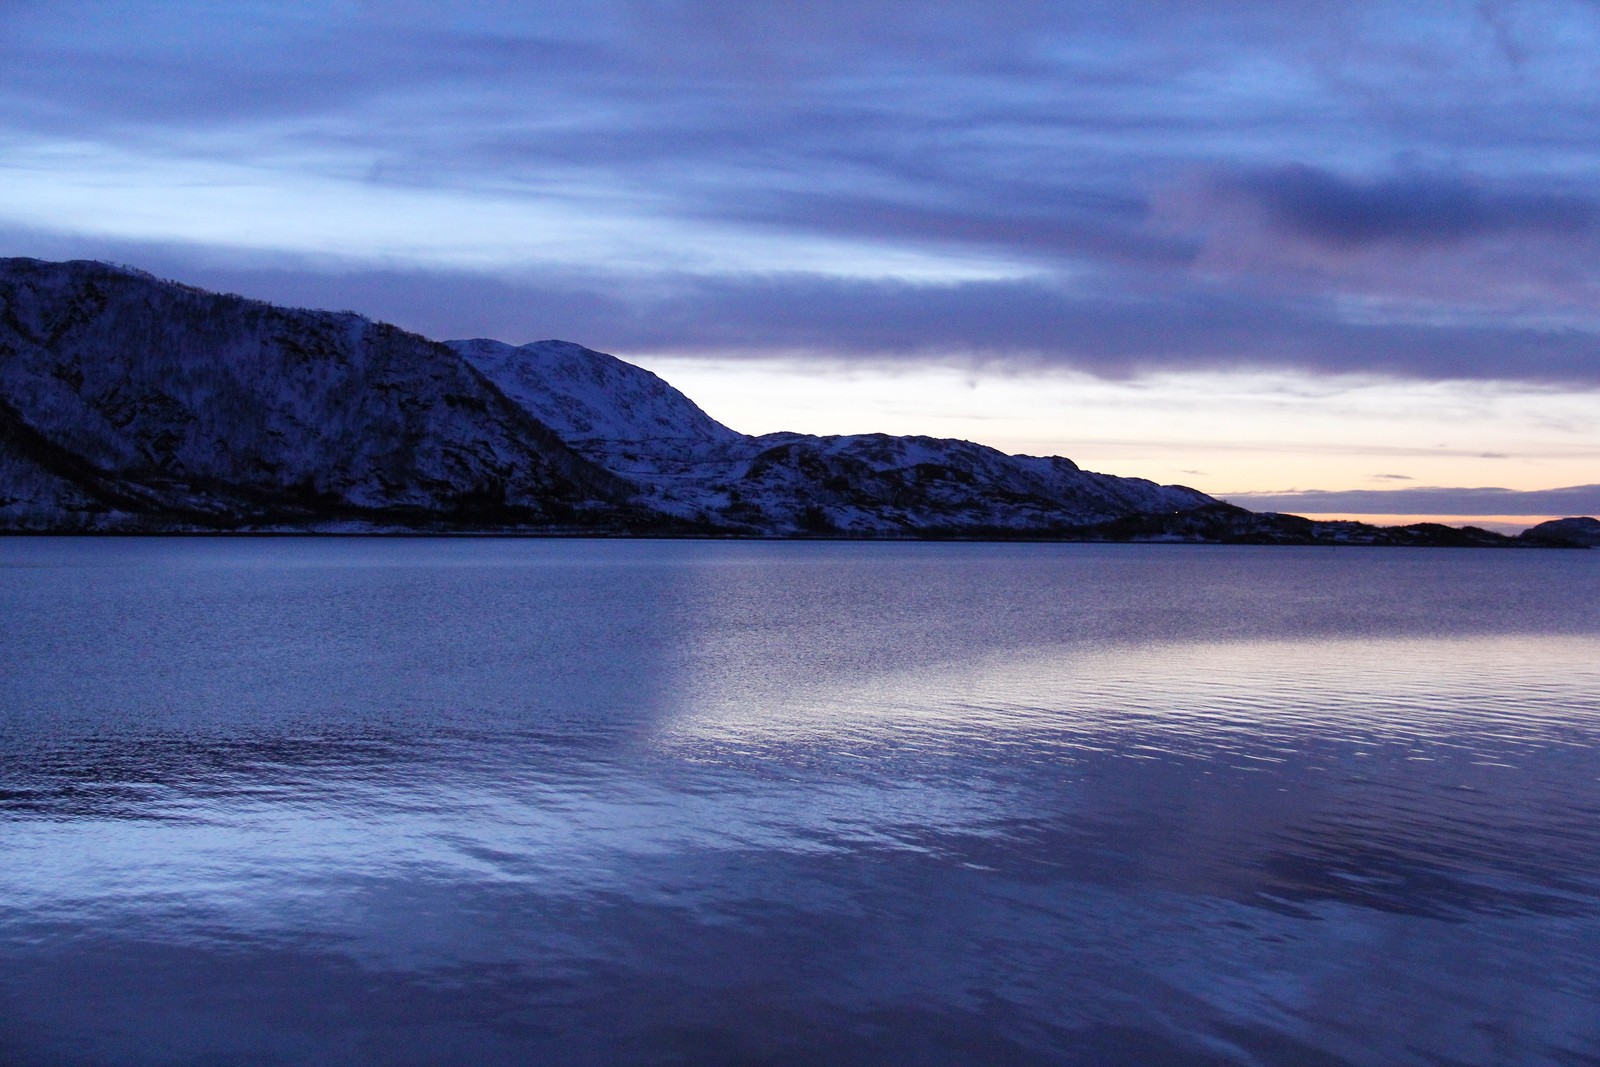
(362, 801)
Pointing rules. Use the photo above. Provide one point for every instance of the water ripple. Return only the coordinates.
(627, 803)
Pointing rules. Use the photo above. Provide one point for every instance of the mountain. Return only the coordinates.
(131, 404)
(690, 466)
(1581, 531)
(127, 402)
(588, 396)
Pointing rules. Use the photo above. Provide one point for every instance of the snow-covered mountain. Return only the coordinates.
(687, 464)
(132, 403)
(128, 402)
(588, 396)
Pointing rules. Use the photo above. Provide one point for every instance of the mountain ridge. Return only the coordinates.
(133, 402)
(629, 421)
(129, 403)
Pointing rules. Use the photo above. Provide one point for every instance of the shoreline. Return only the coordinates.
(1402, 538)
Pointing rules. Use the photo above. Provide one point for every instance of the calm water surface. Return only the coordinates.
(504, 802)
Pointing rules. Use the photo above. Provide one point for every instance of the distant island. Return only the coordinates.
(130, 404)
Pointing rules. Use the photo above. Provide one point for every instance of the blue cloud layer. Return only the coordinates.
(1027, 323)
(1410, 208)
(1375, 187)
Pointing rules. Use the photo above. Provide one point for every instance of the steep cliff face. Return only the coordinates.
(129, 401)
(687, 464)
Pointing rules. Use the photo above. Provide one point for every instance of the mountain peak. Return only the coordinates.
(587, 395)
(127, 401)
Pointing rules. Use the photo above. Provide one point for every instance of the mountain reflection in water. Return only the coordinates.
(406, 802)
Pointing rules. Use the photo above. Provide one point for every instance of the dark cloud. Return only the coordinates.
(1572, 500)
(1109, 331)
(1406, 208)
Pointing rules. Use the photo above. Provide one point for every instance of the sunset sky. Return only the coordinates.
(1249, 247)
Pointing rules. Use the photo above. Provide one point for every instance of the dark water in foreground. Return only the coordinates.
(505, 802)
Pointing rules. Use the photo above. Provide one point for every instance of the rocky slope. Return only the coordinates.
(127, 402)
(688, 465)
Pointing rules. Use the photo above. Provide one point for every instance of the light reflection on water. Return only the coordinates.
(512, 801)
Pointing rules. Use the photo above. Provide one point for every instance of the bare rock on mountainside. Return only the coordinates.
(127, 402)
(688, 465)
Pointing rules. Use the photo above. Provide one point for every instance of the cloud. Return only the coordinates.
(1030, 323)
(1397, 245)
(1113, 187)
(1049, 224)
(1414, 209)
(1432, 500)
(1109, 331)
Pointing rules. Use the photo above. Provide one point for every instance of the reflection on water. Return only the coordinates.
(373, 802)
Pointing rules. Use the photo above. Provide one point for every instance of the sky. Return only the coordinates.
(1285, 250)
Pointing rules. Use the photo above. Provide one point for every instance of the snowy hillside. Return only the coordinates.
(586, 395)
(126, 401)
(131, 403)
(629, 421)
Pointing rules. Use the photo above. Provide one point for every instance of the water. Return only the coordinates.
(504, 802)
